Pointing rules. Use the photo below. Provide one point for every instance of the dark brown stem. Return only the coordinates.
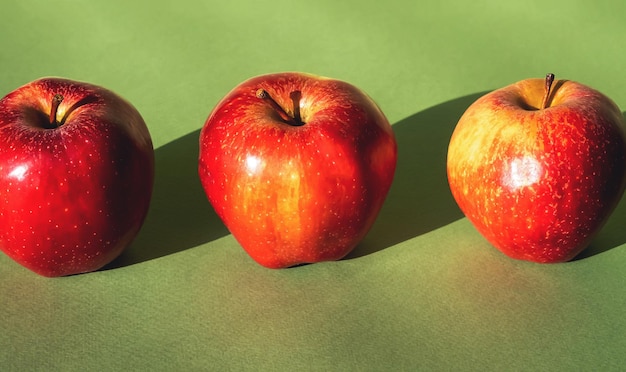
(549, 81)
(56, 101)
(264, 95)
(295, 99)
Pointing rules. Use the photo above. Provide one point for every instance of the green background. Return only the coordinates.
(423, 291)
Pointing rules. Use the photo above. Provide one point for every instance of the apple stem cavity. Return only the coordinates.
(56, 101)
(549, 81)
(294, 120)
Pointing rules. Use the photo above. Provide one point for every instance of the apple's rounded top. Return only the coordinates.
(550, 93)
(54, 102)
(304, 95)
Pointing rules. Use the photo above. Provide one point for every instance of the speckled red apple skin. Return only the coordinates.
(297, 194)
(74, 196)
(539, 184)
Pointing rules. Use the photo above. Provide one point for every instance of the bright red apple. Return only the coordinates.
(297, 166)
(538, 167)
(76, 175)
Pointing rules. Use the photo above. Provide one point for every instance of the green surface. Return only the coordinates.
(423, 291)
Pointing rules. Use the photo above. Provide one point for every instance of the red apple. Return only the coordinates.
(76, 175)
(297, 166)
(539, 167)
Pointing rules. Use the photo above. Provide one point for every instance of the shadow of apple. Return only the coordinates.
(612, 235)
(419, 200)
(180, 216)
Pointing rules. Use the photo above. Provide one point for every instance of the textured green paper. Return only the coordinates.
(423, 291)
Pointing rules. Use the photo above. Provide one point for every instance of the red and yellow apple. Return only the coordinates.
(297, 166)
(538, 167)
(76, 175)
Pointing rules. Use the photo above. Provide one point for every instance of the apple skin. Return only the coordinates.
(539, 183)
(74, 195)
(290, 194)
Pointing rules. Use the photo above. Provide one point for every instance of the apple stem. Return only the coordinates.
(295, 99)
(56, 101)
(549, 81)
(296, 120)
